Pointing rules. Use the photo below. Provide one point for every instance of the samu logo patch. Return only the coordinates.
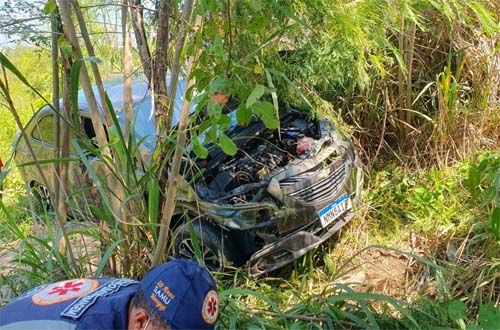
(210, 307)
(63, 291)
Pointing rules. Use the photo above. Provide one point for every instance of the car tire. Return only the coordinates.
(213, 247)
(41, 194)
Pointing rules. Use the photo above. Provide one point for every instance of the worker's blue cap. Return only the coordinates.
(184, 293)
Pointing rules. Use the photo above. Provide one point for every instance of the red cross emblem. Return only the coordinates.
(210, 307)
(67, 287)
(63, 291)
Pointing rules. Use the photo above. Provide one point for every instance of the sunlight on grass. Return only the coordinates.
(17, 204)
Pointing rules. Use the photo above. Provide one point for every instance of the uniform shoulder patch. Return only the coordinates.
(63, 291)
(210, 307)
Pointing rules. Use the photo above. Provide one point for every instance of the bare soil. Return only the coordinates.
(391, 272)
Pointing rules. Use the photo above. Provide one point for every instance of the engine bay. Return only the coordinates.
(261, 152)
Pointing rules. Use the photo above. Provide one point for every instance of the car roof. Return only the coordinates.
(115, 88)
(141, 97)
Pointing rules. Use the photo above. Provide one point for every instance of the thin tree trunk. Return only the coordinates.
(136, 10)
(84, 76)
(409, 64)
(93, 65)
(160, 99)
(113, 181)
(66, 114)
(127, 98)
(174, 175)
(60, 183)
(127, 69)
(160, 67)
(97, 122)
(176, 66)
(62, 133)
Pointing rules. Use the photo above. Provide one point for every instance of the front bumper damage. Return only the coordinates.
(293, 246)
(268, 197)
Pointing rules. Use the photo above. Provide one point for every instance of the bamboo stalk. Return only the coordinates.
(97, 122)
(174, 76)
(174, 175)
(136, 9)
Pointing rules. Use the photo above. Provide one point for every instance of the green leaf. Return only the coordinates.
(473, 181)
(258, 23)
(220, 85)
(495, 223)
(105, 258)
(218, 47)
(205, 125)
(248, 292)
(244, 115)
(497, 184)
(199, 150)
(195, 243)
(4, 61)
(255, 5)
(267, 113)
(489, 317)
(274, 95)
(485, 17)
(50, 7)
(154, 204)
(286, 10)
(211, 134)
(362, 297)
(224, 122)
(227, 145)
(457, 310)
(256, 93)
(209, 6)
(214, 110)
(472, 327)
(65, 46)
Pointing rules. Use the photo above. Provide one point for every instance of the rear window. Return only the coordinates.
(44, 130)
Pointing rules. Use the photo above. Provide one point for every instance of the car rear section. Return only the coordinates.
(284, 193)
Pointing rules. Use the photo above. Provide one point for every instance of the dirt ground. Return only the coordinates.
(392, 272)
(82, 247)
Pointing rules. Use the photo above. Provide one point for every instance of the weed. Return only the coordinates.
(483, 183)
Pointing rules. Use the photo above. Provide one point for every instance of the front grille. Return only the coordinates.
(318, 191)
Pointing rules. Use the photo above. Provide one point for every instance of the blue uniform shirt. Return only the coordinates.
(71, 305)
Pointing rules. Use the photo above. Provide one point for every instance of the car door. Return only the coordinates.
(40, 133)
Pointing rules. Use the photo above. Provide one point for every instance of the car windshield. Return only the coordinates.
(144, 118)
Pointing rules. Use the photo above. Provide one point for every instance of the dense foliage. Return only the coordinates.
(415, 82)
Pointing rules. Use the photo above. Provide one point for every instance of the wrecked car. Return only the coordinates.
(285, 191)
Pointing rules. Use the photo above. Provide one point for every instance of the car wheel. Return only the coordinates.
(209, 240)
(42, 198)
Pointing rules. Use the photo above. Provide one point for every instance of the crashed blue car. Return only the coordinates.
(285, 192)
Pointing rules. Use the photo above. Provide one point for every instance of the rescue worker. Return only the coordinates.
(179, 294)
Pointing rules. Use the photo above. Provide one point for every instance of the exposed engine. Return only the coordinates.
(261, 151)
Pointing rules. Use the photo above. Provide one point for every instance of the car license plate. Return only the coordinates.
(334, 210)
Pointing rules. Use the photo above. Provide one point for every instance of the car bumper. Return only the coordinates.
(293, 246)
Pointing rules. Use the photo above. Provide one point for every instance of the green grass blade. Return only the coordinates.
(105, 257)
(248, 292)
